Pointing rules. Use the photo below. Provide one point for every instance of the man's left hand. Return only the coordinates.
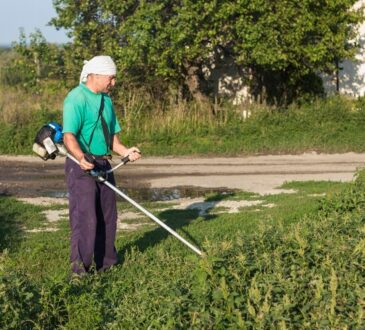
(134, 154)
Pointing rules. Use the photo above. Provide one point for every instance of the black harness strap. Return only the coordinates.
(103, 124)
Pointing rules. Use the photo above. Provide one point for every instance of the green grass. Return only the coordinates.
(330, 125)
(296, 265)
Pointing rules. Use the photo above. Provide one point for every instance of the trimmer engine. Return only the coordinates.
(48, 141)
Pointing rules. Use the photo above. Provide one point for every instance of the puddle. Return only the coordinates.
(56, 194)
(160, 194)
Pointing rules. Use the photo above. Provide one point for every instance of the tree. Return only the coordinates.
(149, 40)
(290, 41)
(36, 60)
(282, 43)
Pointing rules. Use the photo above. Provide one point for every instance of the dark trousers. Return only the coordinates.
(93, 219)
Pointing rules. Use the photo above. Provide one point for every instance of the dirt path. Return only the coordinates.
(30, 176)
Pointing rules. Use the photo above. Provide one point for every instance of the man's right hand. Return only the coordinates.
(85, 165)
(73, 147)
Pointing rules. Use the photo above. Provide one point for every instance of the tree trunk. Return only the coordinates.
(37, 64)
(192, 81)
(337, 73)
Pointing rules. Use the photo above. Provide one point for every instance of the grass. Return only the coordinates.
(167, 127)
(298, 264)
(332, 125)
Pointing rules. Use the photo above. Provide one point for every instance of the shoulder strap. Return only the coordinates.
(103, 124)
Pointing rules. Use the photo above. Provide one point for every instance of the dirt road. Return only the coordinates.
(30, 176)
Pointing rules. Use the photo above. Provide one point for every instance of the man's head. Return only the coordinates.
(99, 74)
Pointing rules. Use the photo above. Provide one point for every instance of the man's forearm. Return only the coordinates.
(133, 153)
(118, 147)
(73, 146)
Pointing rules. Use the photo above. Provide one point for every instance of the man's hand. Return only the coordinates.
(73, 147)
(85, 165)
(133, 153)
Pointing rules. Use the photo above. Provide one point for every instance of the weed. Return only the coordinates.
(298, 265)
(331, 125)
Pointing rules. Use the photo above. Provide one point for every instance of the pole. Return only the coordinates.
(139, 207)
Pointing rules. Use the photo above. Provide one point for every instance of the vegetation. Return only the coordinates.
(34, 62)
(165, 98)
(298, 264)
(278, 47)
(331, 125)
(176, 48)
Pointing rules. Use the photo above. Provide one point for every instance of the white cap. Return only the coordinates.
(98, 65)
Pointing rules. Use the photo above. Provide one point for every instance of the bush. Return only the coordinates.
(23, 305)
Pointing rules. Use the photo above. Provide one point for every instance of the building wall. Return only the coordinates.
(352, 73)
(228, 81)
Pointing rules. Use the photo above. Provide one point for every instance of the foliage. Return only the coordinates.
(18, 137)
(35, 62)
(291, 266)
(294, 39)
(23, 306)
(281, 45)
(329, 125)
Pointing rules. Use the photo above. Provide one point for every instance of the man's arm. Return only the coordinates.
(73, 147)
(122, 150)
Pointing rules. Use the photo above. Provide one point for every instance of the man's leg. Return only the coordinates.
(82, 195)
(105, 253)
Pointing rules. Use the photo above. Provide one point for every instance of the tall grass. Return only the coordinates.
(177, 127)
(18, 106)
(330, 125)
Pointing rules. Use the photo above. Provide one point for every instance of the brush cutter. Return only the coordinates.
(49, 143)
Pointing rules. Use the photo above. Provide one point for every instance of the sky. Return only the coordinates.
(29, 14)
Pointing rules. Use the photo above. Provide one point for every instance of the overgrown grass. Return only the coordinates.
(330, 125)
(297, 265)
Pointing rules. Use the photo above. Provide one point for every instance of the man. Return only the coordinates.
(90, 132)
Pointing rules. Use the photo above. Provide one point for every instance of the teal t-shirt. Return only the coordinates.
(80, 116)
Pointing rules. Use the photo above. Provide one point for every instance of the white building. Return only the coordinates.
(351, 77)
(227, 79)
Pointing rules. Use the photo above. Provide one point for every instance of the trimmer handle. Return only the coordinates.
(96, 172)
(125, 159)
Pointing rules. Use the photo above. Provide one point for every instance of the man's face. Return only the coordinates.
(104, 83)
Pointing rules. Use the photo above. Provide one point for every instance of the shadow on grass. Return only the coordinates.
(176, 220)
(13, 216)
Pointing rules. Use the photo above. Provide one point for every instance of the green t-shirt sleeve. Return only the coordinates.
(72, 116)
